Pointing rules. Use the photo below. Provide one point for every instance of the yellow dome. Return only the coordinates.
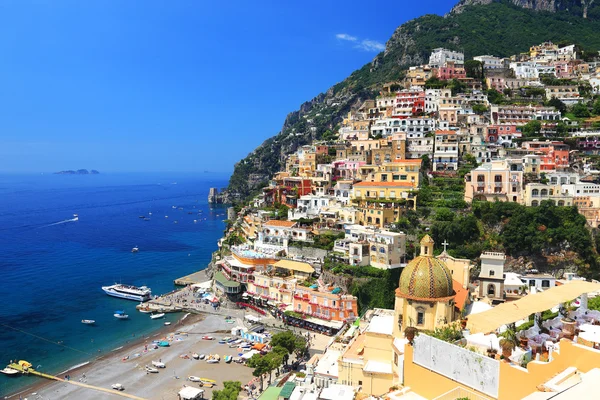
(426, 277)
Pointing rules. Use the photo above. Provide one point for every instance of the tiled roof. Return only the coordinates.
(284, 224)
(461, 294)
(426, 277)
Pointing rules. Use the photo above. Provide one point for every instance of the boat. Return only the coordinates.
(9, 371)
(117, 386)
(142, 216)
(163, 343)
(167, 323)
(159, 364)
(149, 213)
(75, 217)
(135, 249)
(207, 338)
(88, 321)
(128, 292)
(152, 370)
(120, 314)
(195, 356)
(228, 359)
(146, 219)
(157, 316)
(206, 380)
(222, 341)
(175, 222)
(143, 309)
(201, 357)
(213, 359)
(194, 379)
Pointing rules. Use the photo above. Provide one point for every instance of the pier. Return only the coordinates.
(191, 279)
(83, 385)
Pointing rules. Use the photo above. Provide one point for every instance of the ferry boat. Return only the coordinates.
(128, 292)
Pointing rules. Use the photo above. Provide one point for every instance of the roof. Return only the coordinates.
(222, 279)
(284, 224)
(385, 184)
(461, 296)
(382, 324)
(337, 392)
(189, 392)
(272, 393)
(295, 266)
(426, 278)
(408, 160)
(328, 364)
(514, 311)
(378, 367)
(287, 389)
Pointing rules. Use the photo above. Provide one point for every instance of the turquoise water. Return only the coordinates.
(52, 268)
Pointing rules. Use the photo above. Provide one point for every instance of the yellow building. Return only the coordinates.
(395, 171)
(382, 191)
(425, 297)
(269, 287)
(381, 203)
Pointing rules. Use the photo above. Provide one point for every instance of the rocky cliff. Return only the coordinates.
(576, 7)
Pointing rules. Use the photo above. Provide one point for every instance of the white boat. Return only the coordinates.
(152, 370)
(159, 364)
(135, 249)
(167, 323)
(157, 316)
(213, 359)
(88, 321)
(9, 371)
(117, 386)
(120, 315)
(75, 217)
(195, 356)
(143, 309)
(201, 357)
(194, 379)
(128, 292)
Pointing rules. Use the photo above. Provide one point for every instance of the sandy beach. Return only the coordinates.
(185, 338)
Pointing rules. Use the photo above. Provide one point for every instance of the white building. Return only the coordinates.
(490, 62)
(310, 206)
(440, 56)
(524, 70)
(539, 281)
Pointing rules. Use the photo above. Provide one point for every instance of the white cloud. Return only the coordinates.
(371, 45)
(364, 44)
(345, 36)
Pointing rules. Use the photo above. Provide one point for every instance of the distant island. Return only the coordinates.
(78, 172)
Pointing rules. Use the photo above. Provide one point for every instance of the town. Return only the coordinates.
(393, 234)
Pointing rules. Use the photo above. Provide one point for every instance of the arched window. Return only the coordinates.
(535, 192)
(544, 192)
(534, 203)
(561, 203)
(382, 250)
(491, 291)
(373, 248)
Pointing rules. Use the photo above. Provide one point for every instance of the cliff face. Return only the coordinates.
(476, 27)
(577, 7)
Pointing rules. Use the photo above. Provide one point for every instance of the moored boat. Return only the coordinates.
(151, 370)
(157, 316)
(228, 359)
(120, 314)
(128, 292)
(88, 321)
(9, 371)
(195, 356)
(159, 364)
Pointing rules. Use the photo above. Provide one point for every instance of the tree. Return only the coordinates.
(532, 128)
(426, 162)
(479, 109)
(596, 107)
(274, 361)
(289, 341)
(556, 103)
(580, 110)
(282, 351)
(230, 391)
(474, 69)
(261, 366)
(494, 96)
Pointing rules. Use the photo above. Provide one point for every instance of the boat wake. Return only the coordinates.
(75, 367)
(62, 222)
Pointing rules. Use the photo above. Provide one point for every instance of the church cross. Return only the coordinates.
(445, 244)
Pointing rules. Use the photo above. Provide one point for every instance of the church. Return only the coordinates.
(429, 295)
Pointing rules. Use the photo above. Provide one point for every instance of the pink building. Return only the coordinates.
(345, 169)
(450, 71)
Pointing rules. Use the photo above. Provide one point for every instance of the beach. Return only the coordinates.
(126, 365)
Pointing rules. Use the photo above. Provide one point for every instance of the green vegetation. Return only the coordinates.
(376, 291)
(324, 241)
(230, 391)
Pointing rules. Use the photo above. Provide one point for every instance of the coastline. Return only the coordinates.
(186, 321)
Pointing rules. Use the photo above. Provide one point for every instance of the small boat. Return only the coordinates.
(195, 356)
(228, 359)
(9, 371)
(222, 341)
(75, 217)
(157, 316)
(142, 216)
(175, 222)
(201, 356)
(152, 370)
(213, 359)
(167, 323)
(146, 219)
(180, 208)
(135, 249)
(206, 380)
(194, 379)
(159, 364)
(149, 213)
(195, 221)
(145, 310)
(117, 386)
(207, 338)
(174, 207)
(120, 314)
(88, 321)
(163, 343)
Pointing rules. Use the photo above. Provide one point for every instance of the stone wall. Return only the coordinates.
(309, 253)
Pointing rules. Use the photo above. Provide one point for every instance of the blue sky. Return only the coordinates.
(172, 85)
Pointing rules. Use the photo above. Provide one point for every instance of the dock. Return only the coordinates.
(83, 385)
(191, 279)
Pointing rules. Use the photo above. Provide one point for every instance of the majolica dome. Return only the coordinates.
(426, 277)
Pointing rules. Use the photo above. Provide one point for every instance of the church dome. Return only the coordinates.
(426, 277)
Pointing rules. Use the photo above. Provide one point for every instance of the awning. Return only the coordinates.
(190, 393)
(245, 295)
(489, 321)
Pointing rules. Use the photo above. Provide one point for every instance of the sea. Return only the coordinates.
(52, 266)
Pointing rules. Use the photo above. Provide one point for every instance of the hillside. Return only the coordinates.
(477, 27)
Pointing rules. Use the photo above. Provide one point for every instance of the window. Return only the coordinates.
(545, 283)
(420, 318)
(492, 272)
(299, 307)
(349, 305)
(491, 291)
(403, 177)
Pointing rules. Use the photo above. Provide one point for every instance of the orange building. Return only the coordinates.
(324, 305)
(554, 155)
